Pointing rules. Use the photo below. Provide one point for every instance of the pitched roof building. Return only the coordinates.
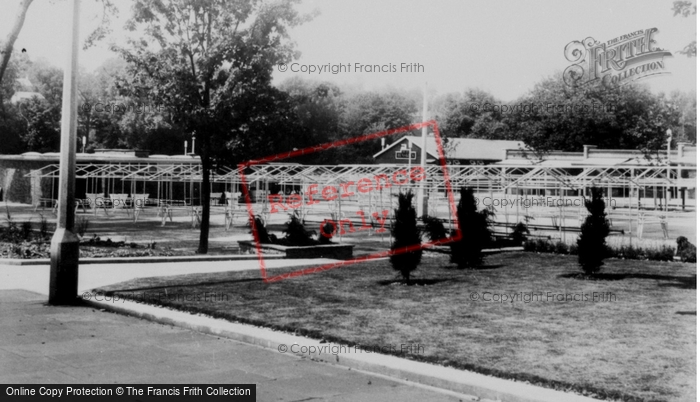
(458, 151)
(25, 91)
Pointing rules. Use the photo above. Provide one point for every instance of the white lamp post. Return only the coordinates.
(63, 281)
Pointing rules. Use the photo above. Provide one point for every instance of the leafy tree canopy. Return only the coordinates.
(554, 116)
(205, 60)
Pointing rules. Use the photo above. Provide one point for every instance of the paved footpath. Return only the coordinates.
(48, 344)
(36, 277)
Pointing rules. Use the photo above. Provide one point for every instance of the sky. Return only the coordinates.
(504, 47)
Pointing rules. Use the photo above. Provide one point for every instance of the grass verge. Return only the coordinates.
(626, 334)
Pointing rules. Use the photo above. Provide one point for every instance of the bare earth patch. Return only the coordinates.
(626, 334)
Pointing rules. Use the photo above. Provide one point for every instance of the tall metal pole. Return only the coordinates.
(669, 132)
(63, 285)
(422, 199)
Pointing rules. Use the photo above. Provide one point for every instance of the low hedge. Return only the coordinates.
(663, 253)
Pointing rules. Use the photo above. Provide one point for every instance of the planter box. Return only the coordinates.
(335, 251)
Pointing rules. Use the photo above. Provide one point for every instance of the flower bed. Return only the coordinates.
(92, 248)
(336, 251)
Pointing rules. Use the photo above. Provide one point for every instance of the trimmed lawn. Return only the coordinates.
(633, 339)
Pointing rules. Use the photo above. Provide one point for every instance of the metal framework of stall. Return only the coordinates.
(128, 177)
(495, 178)
(628, 183)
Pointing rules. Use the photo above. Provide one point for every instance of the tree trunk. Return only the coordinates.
(204, 191)
(9, 44)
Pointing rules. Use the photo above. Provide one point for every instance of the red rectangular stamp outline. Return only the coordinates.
(325, 267)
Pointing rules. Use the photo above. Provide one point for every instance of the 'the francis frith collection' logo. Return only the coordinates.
(618, 61)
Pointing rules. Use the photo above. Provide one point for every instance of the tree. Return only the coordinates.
(42, 133)
(12, 127)
(686, 105)
(519, 233)
(555, 116)
(434, 228)
(112, 120)
(318, 108)
(476, 231)
(40, 118)
(369, 112)
(591, 242)
(9, 43)
(405, 234)
(144, 127)
(8, 85)
(91, 91)
(200, 57)
(6, 50)
(686, 9)
(475, 114)
(47, 79)
(262, 122)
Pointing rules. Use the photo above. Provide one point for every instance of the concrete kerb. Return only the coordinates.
(194, 258)
(465, 382)
(145, 260)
